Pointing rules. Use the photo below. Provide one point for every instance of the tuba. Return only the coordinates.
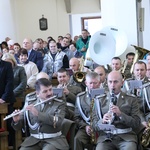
(139, 54)
(105, 44)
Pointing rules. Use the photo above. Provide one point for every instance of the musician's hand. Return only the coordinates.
(107, 118)
(115, 109)
(88, 130)
(60, 86)
(32, 109)
(1, 101)
(66, 91)
(17, 117)
(145, 124)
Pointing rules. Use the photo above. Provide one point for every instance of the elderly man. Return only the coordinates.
(33, 55)
(120, 111)
(83, 112)
(44, 120)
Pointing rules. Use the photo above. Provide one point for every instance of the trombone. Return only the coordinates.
(24, 109)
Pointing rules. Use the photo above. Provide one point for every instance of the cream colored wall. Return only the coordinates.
(85, 6)
(28, 14)
(20, 18)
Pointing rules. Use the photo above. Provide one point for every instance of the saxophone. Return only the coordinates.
(93, 138)
(145, 139)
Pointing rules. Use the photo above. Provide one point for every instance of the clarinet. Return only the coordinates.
(112, 102)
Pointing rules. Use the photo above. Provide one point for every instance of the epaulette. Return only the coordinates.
(82, 93)
(132, 95)
(100, 96)
(31, 96)
(146, 84)
(58, 100)
(129, 79)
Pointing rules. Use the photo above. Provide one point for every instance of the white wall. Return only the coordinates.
(146, 32)
(121, 14)
(85, 6)
(7, 16)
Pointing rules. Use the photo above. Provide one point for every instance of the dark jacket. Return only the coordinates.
(37, 58)
(6, 82)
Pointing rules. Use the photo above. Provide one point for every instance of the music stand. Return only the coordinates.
(135, 84)
(58, 92)
(96, 92)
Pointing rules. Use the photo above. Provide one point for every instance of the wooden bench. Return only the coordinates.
(3, 134)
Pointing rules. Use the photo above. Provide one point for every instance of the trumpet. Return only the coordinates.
(24, 109)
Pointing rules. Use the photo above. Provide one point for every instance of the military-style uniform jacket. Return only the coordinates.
(82, 110)
(144, 110)
(129, 115)
(44, 122)
(73, 91)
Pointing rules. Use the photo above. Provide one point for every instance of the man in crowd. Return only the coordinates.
(44, 120)
(65, 47)
(120, 111)
(7, 95)
(54, 60)
(100, 70)
(82, 43)
(83, 112)
(33, 55)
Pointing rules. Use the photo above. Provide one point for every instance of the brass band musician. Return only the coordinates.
(119, 110)
(82, 112)
(140, 75)
(44, 120)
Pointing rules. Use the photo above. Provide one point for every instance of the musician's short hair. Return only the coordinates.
(62, 70)
(130, 54)
(44, 82)
(140, 62)
(92, 75)
(116, 58)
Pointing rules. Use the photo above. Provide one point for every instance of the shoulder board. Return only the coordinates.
(58, 100)
(100, 96)
(132, 95)
(146, 84)
(82, 93)
(129, 79)
(31, 96)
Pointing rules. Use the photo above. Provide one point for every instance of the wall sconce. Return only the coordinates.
(43, 23)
